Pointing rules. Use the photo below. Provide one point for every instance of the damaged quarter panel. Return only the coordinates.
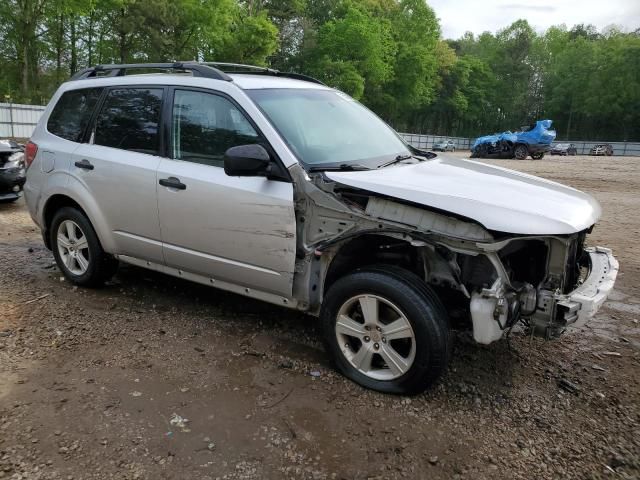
(338, 224)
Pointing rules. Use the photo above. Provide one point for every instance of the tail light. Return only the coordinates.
(30, 151)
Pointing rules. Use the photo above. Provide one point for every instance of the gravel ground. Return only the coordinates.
(151, 377)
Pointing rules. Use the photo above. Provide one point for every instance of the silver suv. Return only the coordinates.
(277, 187)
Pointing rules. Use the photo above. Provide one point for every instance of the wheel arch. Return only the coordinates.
(60, 200)
(369, 249)
(430, 262)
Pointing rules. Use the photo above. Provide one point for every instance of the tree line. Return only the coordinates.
(389, 54)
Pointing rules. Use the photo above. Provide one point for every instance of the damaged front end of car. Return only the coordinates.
(12, 170)
(487, 280)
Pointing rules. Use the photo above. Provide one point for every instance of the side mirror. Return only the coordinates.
(247, 161)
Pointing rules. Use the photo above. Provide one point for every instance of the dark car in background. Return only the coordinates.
(563, 149)
(12, 170)
(602, 149)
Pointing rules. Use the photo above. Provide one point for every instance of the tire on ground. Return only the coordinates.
(102, 266)
(421, 307)
(520, 151)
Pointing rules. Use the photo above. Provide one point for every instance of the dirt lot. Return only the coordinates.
(92, 382)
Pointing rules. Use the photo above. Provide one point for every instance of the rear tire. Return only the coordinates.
(537, 155)
(357, 316)
(77, 249)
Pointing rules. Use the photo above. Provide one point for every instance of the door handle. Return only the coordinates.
(172, 182)
(84, 163)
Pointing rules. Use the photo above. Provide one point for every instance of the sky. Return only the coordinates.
(458, 16)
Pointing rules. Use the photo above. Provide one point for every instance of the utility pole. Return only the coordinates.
(10, 102)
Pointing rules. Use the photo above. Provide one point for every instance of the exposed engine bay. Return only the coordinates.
(494, 279)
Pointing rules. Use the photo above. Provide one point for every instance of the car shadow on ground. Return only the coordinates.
(475, 370)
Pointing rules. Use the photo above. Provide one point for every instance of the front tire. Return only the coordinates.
(386, 330)
(77, 249)
(520, 152)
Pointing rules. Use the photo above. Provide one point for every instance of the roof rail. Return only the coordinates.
(230, 66)
(240, 68)
(197, 70)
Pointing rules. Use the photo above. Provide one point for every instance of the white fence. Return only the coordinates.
(17, 120)
(629, 149)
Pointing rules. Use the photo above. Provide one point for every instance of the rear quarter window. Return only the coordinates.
(72, 113)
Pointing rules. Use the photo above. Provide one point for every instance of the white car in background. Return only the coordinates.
(444, 146)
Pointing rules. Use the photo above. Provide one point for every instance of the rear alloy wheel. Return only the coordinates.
(520, 152)
(73, 247)
(386, 330)
(77, 249)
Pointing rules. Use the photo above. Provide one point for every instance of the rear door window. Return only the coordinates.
(129, 119)
(72, 113)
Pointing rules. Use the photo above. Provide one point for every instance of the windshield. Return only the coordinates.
(326, 128)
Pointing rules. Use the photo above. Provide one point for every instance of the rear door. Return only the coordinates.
(118, 168)
(239, 230)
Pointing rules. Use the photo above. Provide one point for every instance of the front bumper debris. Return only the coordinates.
(12, 179)
(583, 303)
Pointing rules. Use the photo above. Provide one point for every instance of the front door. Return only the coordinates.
(237, 230)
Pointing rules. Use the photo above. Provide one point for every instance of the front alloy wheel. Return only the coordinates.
(375, 337)
(520, 152)
(386, 329)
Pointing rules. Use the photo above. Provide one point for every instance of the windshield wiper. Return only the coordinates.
(399, 158)
(343, 167)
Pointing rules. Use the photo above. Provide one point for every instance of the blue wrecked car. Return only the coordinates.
(532, 140)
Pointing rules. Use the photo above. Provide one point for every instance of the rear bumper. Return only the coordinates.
(583, 303)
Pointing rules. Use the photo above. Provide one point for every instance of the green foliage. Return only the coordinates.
(361, 40)
(386, 53)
